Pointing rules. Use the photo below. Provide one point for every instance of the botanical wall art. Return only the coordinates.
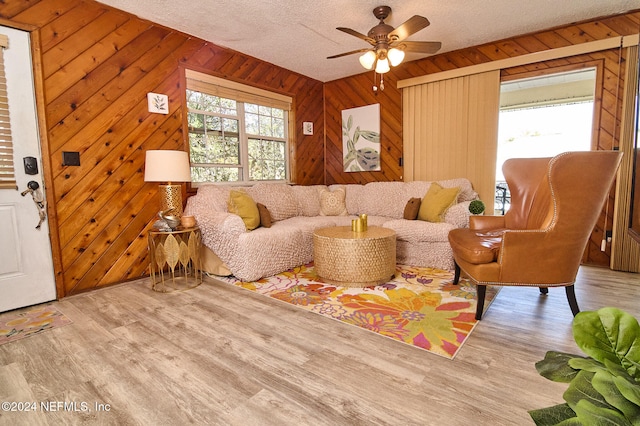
(158, 103)
(361, 139)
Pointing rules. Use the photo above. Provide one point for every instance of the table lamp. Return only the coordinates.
(168, 166)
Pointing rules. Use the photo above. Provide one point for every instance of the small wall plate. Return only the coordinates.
(70, 158)
(307, 128)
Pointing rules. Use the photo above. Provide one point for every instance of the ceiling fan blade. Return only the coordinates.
(347, 53)
(412, 25)
(420, 46)
(357, 34)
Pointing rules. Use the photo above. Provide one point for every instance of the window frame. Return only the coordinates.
(242, 94)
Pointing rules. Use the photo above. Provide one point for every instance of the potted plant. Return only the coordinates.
(604, 387)
(476, 207)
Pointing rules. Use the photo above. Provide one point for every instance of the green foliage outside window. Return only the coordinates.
(220, 129)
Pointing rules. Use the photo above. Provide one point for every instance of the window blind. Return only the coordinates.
(7, 174)
(450, 129)
(231, 90)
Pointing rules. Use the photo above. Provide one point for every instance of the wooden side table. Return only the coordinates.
(175, 259)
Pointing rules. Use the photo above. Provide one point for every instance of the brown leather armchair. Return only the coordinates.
(539, 242)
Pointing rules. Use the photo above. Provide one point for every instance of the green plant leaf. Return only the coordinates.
(609, 333)
(587, 364)
(618, 371)
(604, 383)
(590, 414)
(356, 135)
(370, 135)
(581, 389)
(349, 122)
(631, 391)
(555, 367)
(553, 415)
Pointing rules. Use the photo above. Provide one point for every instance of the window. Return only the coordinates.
(542, 117)
(236, 133)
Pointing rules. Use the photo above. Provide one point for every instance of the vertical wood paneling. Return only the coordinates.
(98, 64)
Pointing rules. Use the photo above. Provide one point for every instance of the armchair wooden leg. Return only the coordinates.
(571, 297)
(544, 290)
(456, 273)
(482, 291)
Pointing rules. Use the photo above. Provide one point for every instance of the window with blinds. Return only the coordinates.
(237, 133)
(7, 174)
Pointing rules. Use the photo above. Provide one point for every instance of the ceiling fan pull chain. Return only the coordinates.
(375, 88)
(381, 82)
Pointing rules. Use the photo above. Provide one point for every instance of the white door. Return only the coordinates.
(26, 264)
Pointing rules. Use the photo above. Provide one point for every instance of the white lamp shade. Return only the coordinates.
(395, 56)
(167, 166)
(368, 59)
(382, 66)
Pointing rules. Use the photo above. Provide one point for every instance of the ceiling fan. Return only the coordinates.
(389, 44)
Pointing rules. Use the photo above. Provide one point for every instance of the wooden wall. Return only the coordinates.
(357, 91)
(95, 65)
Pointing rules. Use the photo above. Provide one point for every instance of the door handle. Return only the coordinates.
(33, 188)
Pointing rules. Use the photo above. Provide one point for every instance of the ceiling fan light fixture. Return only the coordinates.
(367, 60)
(396, 56)
(382, 66)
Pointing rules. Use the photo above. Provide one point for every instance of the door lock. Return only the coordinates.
(33, 188)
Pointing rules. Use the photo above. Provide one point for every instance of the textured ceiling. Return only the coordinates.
(300, 34)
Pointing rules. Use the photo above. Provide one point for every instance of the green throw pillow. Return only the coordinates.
(242, 204)
(436, 202)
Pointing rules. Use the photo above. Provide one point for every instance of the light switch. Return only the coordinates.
(70, 158)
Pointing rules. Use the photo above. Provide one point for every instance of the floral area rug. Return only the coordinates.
(27, 322)
(419, 306)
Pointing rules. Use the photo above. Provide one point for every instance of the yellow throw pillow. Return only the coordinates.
(242, 204)
(436, 202)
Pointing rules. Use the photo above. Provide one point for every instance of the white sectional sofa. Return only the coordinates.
(296, 211)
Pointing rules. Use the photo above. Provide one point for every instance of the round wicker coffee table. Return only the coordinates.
(354, 259)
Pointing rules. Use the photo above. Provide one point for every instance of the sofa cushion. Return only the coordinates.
(332, 203)
(242, 204)
(384, 199)
(277, 197)
(212, 197)
(308, 199)
(265, 216)
(412, 208)
(419, 231)
(436, 201)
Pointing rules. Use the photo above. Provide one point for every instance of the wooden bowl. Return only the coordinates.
(188, 221)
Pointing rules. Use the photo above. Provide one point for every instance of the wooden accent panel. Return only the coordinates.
(97, 65)
(356, 91)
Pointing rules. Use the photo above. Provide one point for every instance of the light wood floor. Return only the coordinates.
(217, 354)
